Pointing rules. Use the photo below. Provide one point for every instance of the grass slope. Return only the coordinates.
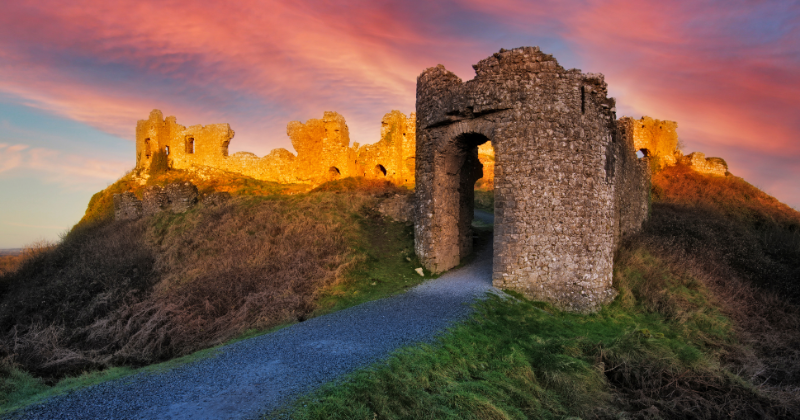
(696, 332)
(117, 295)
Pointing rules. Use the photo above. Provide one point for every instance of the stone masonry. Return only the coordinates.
(700, 163)
(560, 165)
(176, 197)
(323, 150)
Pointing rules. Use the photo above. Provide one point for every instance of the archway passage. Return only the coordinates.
(379, 171)
(560, 168)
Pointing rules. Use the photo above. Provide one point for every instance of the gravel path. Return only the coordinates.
(260, 374)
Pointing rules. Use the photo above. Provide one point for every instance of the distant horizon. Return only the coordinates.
(76, 77)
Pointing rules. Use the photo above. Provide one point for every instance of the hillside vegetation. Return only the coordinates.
(132, 293)
(706, 326)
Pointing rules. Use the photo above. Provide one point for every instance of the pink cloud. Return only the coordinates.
(58, 167)
(709, 65)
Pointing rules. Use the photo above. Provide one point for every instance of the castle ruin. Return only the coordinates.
(567, 182)
(658, 140)
(323, 150)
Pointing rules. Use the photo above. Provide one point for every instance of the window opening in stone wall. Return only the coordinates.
(583, 100)
(190, 145)
(642, 153)
(380, 169)
(147, 148)
(166, 150)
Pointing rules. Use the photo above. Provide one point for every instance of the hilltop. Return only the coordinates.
(706, 318)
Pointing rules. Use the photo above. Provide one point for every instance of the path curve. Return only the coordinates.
(257, 375)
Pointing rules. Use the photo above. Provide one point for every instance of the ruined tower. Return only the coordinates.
(558, 162)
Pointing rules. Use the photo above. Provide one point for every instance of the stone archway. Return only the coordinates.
(560, 165)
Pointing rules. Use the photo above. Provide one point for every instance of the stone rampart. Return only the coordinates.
(174, 198)
(558, 162)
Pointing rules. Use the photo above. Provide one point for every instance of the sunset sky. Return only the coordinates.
(76, 76)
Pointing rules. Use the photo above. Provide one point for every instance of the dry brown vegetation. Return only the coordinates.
(729, 196)
(137, 292)
(745, 332)
(9, 263)
(743, 246)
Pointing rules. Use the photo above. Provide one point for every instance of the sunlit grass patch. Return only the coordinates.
(657, 347)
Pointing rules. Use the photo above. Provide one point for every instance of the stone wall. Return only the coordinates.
(554, 137)
(632, 182)
(174, 198)
(659, 139)
(392, 157)
(127, 206)
(399, 207)
(323, 150)
(699, 162)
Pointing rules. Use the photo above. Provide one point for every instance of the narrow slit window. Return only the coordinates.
(583, 100)
(147, 148)
(166, 150)
(189, 145)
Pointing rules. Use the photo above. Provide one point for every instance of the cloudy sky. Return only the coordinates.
(76, 76)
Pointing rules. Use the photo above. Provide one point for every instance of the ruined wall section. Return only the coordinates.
(392, 157)
(658, 137)
(699, 162)
(323, 149)
(176, 197)
(551, 130)
(186, 147)
(486, 157)
(631, 182)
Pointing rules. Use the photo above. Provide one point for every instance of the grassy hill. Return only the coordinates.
(133, 293)
(706, 324)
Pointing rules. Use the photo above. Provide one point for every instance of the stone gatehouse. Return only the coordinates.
(568, 184)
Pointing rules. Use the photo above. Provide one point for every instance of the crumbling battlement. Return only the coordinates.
(323, 150)
(658, 140)
(560, 168)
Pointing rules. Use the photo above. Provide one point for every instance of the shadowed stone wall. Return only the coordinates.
(174, 198)
(556, 149)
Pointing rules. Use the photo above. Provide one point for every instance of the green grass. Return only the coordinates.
(517, 359)
(383, 264)
(484, 200)
(386, 265)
